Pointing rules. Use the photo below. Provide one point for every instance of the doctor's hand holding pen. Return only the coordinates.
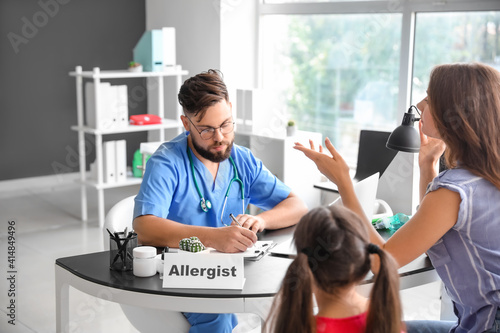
(237, 237)
(230, 239)
(251, 222)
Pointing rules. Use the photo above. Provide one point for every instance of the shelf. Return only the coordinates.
(167, 123)
(129, 182)
(96, 74)
(119, 74)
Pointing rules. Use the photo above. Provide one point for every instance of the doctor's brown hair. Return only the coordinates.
(202, 91)
(464, 99)
(333, 253)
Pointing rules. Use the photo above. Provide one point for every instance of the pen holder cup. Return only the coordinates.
(120, 251)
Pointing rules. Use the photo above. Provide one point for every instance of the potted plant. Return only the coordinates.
(291, 128)
(134, 66)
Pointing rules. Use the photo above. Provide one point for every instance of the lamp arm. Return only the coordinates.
(409, 117)
(410, 110)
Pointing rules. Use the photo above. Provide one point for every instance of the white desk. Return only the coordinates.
(90, 274)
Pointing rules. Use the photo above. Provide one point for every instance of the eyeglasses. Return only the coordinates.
(209, 132)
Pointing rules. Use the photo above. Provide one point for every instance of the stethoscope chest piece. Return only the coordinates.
(206, 205)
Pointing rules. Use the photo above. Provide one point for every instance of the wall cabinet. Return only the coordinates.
(96, 75)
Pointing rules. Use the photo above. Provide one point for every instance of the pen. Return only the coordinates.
(234, 219)
(110, 234)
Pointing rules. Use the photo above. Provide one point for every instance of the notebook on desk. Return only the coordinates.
(366, 191)
(284, 249)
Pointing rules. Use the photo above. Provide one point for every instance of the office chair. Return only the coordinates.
(143, 319)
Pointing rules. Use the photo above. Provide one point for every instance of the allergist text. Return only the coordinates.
(209, 273)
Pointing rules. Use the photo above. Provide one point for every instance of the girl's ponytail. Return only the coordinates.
(292, 309)
(384, 311)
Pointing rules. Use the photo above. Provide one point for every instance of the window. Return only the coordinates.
(337, 67)
(453, 37)
(310, 1)
(337, 74)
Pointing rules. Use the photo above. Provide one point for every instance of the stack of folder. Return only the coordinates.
(112, 110)
(114, 162)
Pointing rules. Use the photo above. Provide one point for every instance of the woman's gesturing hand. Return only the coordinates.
(332, 166)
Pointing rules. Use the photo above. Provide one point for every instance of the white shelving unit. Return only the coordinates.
(288, 164)
(96, 75)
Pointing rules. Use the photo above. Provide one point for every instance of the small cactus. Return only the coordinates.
(191, 244)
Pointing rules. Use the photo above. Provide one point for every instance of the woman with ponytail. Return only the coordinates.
(334, 256)
(458, 220)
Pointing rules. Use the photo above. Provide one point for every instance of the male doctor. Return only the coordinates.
(194, 182)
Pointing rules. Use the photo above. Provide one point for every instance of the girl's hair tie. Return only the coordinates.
(307, 251)
(372, 248)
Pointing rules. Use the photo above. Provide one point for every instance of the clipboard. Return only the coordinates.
(256, 252)
(285, 249)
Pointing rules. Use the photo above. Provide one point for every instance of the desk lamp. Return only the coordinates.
(405, 137)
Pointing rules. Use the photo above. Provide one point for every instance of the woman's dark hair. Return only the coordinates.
(464, 99)
(201, 92)
(333, 251)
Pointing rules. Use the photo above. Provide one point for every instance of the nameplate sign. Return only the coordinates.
(203, 271)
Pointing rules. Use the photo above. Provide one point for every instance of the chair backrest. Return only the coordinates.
(119, 217)
(373, 155)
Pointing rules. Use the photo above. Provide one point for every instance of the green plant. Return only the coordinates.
(133, 64)
(291, 123)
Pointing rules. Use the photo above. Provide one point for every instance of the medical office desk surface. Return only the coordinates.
(90, 274)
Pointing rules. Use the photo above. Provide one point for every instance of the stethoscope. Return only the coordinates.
(205, 204)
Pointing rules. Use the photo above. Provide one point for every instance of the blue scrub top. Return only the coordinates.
(168, 189)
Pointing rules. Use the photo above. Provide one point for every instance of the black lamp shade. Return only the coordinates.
(405, 137)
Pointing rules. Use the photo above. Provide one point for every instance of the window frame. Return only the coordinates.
(407, 8)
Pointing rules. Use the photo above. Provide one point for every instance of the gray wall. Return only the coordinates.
(209, 34)
(197, 30)
(41, 42)
(197, 25)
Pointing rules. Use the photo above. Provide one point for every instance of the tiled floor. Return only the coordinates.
(46, 212)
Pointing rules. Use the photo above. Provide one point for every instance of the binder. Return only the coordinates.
(120, 105)
(113, 106)
(101, 118)
(149, 51)
(168, 46)
(121, 160)
(109, 165)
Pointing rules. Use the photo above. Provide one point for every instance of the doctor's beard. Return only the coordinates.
(217, 156)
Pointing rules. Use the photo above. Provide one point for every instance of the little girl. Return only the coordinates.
(333, 257)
